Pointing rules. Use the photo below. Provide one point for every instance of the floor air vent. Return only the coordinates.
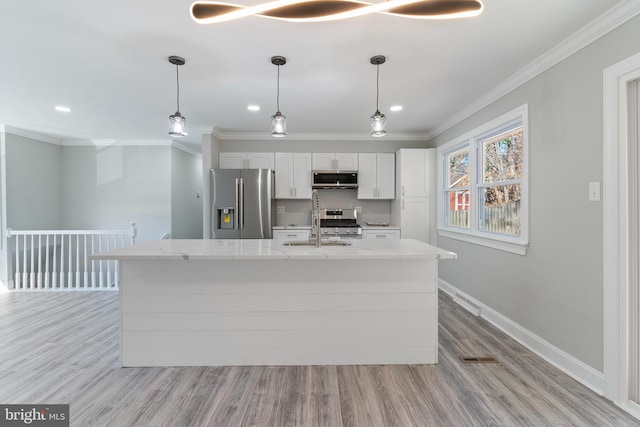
(478, 359)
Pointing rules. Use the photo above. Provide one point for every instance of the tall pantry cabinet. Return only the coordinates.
(412, 208)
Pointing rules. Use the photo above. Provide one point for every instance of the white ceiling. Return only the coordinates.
(108, 62)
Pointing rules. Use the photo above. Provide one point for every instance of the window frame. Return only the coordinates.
(473, 140)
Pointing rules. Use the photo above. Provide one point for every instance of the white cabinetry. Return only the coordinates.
(292, 234)
(376, 176)
(293, 175)
(380, 234)
(413, 205)
(246, 161)
(342, 161)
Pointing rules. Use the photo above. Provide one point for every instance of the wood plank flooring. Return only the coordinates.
(63, 348)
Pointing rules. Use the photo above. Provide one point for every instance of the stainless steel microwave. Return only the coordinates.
(334, 179)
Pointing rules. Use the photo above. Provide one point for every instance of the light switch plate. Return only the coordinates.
(594, 191)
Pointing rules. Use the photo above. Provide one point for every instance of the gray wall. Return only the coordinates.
(107, 187)
(186, 195)
(33, 178)
(556, 290)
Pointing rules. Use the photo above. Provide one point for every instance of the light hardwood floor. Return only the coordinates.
(63, 348)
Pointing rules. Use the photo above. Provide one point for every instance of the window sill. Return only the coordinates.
(512, 247)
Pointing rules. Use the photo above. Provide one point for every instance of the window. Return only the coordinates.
(482, 177)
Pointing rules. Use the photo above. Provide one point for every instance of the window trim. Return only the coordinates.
(473, 140)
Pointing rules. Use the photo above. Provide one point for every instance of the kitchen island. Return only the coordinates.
(260, 302)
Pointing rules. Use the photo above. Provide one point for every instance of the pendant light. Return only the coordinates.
(177, 121)
(278, 120)
(378, 119)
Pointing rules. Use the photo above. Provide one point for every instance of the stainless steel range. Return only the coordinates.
(339, 223)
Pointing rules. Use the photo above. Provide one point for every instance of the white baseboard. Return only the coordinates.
(568, 364)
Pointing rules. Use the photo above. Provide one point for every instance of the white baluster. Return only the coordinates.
(108, 264)
(18, 282)
(101, 261)
(84, 255)
(32, 274)
(70, 268)
(39, 276)
(78, 283)
(46, 263)
(25, 273)
(93, 262)
(54, 272)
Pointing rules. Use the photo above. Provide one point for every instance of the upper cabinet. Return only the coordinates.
(415, 168)
(342, 161)
(376, 176)
(293, 175)
(247, 161)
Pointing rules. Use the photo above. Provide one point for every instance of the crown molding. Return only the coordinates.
(115, 142)
(183, 147)
(597, 28)
(264, 136)
(31, 135)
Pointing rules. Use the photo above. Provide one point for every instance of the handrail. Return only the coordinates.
(58, 259)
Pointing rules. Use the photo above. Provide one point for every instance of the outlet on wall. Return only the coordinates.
(280, 209)
(358, 209)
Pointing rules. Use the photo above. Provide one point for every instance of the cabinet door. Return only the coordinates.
(416, 168)
(346, 161)
(260, 161)
(284, 175)
(232, 160)
(415, 219)
(301, 175)
(385, 176)
(323, 161)
(367, 175)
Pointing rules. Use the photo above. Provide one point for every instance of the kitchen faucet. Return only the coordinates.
(315, 217)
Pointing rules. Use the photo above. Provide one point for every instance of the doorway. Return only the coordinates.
(622, 234)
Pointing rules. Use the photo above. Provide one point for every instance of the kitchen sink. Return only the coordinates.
(313, 243)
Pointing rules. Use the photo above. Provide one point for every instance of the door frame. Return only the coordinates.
(616, 213)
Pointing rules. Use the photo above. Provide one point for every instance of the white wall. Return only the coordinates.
(33, 179)
(106, 187)
(186, 195)
(556, 290)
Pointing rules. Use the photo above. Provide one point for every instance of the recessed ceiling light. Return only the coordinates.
(396, 108)
(253, 108)
(63, 109)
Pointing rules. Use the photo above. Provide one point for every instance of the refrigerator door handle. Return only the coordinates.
(238, 207)
(240, 195)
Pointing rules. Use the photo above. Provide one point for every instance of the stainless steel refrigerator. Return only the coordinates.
(242, 203)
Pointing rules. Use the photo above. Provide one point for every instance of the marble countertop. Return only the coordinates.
(236, 249)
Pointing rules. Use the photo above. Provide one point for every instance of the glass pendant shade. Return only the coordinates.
(177, 122)
(177, 125)
(278, 125)
(377, 124)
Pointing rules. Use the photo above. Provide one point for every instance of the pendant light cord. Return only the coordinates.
(377, 85)
(278, 92)
(178, 87)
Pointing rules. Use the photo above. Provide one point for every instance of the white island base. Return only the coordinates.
(252, 302)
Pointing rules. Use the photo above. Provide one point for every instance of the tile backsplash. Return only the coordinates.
(298, 212)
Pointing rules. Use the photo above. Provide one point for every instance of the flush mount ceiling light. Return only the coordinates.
(278, 120)
(177, 121)
(378, 119)
(211, 12)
